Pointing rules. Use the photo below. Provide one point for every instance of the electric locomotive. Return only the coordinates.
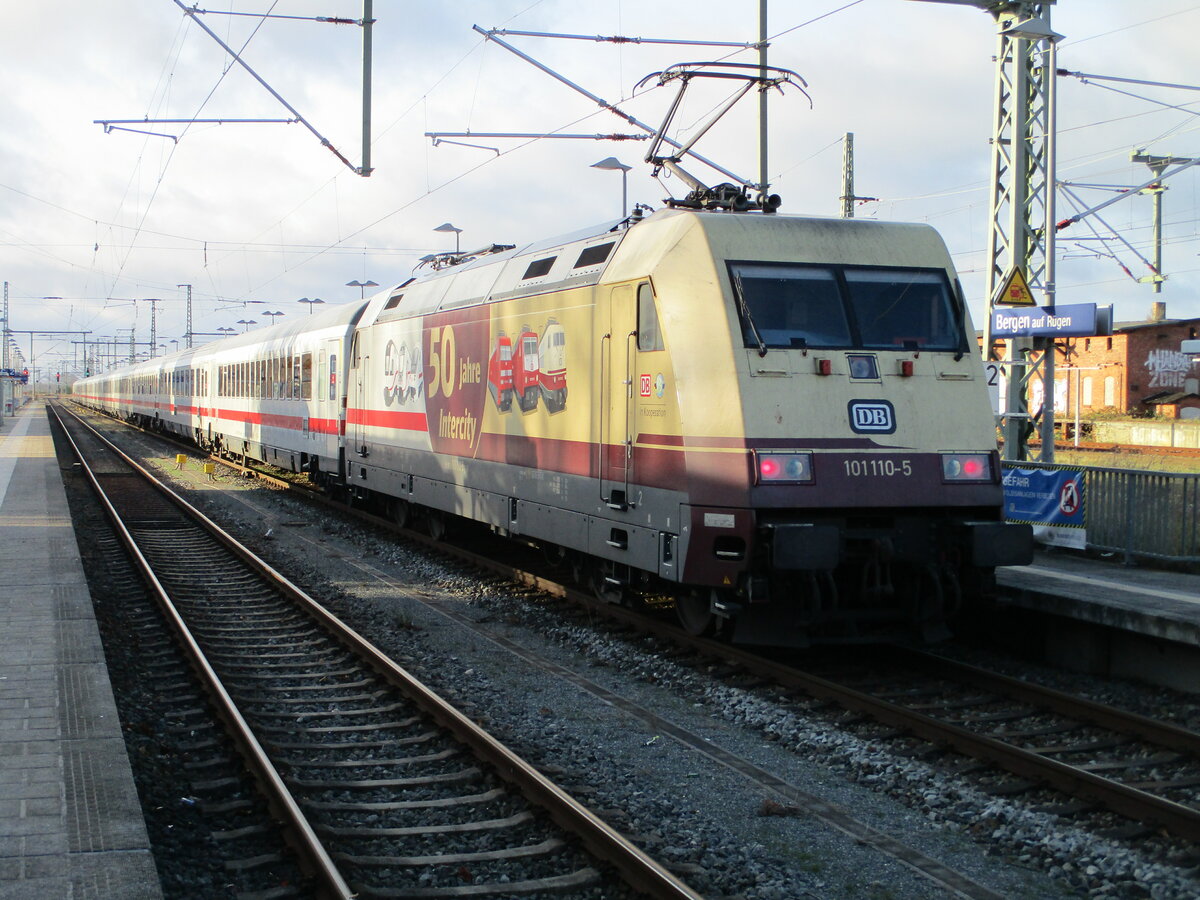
(778, 421)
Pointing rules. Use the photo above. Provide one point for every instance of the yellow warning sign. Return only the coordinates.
(1016, 290)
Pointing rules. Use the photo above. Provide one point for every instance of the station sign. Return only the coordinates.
(1077, 320)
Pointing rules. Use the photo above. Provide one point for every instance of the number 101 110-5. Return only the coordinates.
(877, 468)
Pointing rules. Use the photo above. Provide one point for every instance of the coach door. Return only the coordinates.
(356, 428)
(326, 390)
(616, 403)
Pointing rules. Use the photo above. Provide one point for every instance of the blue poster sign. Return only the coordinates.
(1077, 320)
(1052, 500)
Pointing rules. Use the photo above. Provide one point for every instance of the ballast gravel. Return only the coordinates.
(723, 836)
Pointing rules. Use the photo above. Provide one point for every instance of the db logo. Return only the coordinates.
(872, 417)
(1068, 498)
(647, 385)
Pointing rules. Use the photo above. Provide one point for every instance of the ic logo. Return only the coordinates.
(872, 417)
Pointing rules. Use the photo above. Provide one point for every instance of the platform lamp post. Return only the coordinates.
(613, 164)
(446, 227)
(310, 303)
(246, 323)
(362, 286)
(273, 315)
(226, 330)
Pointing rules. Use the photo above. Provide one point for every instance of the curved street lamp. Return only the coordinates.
(273, 315)
(446, 227)
(310, 303)
(246, 323)
(362, 286)
(613, 164)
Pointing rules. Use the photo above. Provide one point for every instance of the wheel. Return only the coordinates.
(694, 611)
(554, 554)
(401, 512)
(435, 524)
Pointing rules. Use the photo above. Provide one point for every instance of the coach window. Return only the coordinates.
(306, 374)
(649, 336)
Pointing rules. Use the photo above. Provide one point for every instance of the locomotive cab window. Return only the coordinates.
(790, 306)
(854, 307)
(903, 309)
(649, 336)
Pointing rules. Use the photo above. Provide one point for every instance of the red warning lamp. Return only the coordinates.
(824, 366)
(784, 466)
(906, 368)
(966, 467)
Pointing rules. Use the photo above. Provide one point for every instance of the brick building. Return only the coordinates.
(1138, 370)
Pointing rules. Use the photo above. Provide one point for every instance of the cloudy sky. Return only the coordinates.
(257, 216)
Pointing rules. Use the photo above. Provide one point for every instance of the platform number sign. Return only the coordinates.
(995, 383)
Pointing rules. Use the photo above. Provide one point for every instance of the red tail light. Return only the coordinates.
(967, 467)
(783, 467)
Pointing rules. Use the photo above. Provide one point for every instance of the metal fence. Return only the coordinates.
(1150, 515)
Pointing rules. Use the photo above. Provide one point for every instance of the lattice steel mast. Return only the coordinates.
(1022, 226)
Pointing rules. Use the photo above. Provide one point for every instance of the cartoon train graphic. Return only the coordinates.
(532, 369)
(500, 372)
(552, 366)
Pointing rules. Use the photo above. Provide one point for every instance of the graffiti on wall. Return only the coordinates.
(1168, 368)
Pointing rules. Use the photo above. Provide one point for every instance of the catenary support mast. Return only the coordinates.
(1022, 226)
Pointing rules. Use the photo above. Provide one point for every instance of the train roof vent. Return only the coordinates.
(592, 256)
(539, 267)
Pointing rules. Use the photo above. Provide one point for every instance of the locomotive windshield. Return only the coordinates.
(872, 308)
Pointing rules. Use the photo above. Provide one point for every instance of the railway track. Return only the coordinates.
(385, 790)
(1132, 775)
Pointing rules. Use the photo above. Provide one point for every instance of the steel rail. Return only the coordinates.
(640, 871)
(1150, 730)
(1130, 802)
(1181, 820)
(311, 853)
(1133, 803)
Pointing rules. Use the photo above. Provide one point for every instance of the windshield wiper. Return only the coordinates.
(744, 309)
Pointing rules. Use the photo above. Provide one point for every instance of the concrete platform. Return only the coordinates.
(70, 822)
(1138, 622)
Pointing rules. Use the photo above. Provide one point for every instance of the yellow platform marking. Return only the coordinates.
(35, 522)
(36, 446)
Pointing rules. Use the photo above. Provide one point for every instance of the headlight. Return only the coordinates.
(967, 467)
(782, 467)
